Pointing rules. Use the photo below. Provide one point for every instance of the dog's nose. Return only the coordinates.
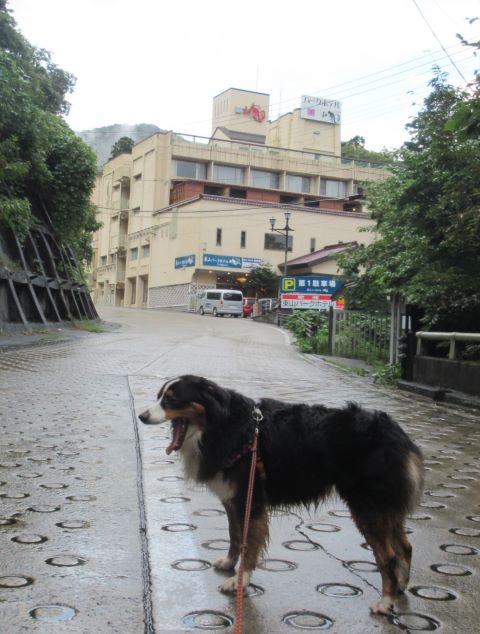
(144, 416)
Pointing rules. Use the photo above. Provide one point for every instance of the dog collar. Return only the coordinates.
(247, 447)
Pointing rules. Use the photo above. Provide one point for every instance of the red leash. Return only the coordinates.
(244, 546)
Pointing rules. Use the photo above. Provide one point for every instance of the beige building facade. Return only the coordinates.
(183, 213)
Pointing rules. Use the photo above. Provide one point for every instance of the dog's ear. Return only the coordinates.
(216, 401)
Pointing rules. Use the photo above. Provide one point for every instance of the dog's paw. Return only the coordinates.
(225, 563)
(383, 606)
(230, 585)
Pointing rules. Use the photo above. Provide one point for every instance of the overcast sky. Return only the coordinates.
(162, 61)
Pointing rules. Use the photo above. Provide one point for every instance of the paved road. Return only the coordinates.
(99, 532)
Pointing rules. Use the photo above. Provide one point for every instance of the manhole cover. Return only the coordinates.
(190, 565)
(433, 593)
(207, 620)
(52, 613)
(414, 622)
(277, 565)
(304, 620)
(15, 581)
(339, 590)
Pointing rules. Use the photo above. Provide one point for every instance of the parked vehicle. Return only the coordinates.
(248, 303)
(220, 302)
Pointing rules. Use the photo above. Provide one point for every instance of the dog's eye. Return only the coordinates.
(170, 402)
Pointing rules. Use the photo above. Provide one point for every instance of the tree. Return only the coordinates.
(263, 281)
(427, 221)
(355, 148)
(124, 145)
(42, 161)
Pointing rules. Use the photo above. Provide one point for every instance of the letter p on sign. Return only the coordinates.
(288, 284)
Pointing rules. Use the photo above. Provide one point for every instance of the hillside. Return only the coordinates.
(102, 139)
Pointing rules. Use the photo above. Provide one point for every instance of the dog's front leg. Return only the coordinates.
(235, 533)
(256, 542)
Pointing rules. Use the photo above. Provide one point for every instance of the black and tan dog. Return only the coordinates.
(308, 452)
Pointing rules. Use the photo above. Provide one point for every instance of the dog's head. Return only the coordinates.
(187, 400)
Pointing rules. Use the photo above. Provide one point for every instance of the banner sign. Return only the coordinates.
(184, 261)
(319, 109)
(305, 301)
(326, 284)
(231, 261)
(227, 261)
(251, 263)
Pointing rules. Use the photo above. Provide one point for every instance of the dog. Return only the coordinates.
(306, 453)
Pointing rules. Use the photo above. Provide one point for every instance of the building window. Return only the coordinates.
(137, 177)
(228, 174)
(189, 169)
(103, 260)
(276, 242)
(313, 243)
(145, 291)
(145, 250)
(332, 188)
(133, 296)
(295, 183)
(219, 238)
(261, 178)
(243, 239)
(134, 253)
(136, 210)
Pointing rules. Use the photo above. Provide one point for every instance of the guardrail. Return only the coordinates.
(452, 337)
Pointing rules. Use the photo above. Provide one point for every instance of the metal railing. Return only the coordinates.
(359, 335)
(452, 337)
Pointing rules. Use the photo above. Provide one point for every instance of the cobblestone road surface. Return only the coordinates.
(100, 533)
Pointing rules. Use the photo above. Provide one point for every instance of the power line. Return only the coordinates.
(438, 40)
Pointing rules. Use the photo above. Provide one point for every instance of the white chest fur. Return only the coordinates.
(191, 462)
(190, 453)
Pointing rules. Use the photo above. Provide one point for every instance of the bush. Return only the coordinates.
(388, 374)
(310, 328)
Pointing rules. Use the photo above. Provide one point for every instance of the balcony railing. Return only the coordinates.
(181, 142)
(118, 242)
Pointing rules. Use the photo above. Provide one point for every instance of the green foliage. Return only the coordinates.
(310, 328)
(263, 281)
(427, 221)
(89, 326)
(388, 374)
(465, 120)
(124, 145)
(42, 161)
(355, 148)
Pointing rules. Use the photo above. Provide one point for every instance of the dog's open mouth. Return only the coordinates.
(179, 430)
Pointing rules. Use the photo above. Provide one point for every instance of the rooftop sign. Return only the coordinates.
(319, 109)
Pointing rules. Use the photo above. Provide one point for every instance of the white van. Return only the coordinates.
(220, 302)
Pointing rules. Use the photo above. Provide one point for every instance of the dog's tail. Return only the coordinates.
(416, 478)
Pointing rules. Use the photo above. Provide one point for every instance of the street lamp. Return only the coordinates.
(283, 231)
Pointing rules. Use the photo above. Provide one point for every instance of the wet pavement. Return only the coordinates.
(100, 533)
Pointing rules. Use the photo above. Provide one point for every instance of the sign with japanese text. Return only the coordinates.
(319, 109)
(184, 261)
(305, 301)
(251, 263)
(227, 261)
(326, 284)
(231, 261)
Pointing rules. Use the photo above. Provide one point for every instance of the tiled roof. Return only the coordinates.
(262, 203)
(326, 253)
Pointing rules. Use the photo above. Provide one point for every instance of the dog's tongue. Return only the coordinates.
(179, 429)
